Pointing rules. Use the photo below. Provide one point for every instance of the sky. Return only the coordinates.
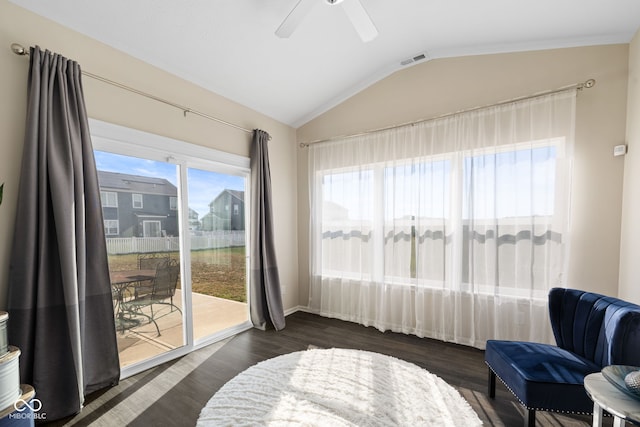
(203, 186)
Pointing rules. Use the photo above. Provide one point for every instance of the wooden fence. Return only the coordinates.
(199, 241)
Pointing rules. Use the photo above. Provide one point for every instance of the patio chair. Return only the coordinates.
(157, 292)
(152, 260)
(165, 284)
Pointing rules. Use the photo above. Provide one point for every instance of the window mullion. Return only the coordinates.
(456, 254)
(378, 224)
(185, 251)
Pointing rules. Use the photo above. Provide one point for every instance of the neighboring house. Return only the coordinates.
(138, 206)
(194, 222)
(226, 212)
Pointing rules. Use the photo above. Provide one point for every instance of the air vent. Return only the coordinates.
(416, 58)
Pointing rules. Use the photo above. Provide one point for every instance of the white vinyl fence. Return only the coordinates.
(199, 241)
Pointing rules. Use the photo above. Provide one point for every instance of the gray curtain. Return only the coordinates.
(266, 298)
(60, 307)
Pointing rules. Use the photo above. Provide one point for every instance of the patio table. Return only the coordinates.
(121, 281)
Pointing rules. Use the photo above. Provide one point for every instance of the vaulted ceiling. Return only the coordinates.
(230, 46)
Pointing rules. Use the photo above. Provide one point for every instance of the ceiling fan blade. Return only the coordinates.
(294, 18)
(360, 20)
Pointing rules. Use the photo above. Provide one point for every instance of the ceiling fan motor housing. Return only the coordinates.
(354, 10)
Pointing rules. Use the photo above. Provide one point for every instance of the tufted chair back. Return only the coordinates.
(602, 329)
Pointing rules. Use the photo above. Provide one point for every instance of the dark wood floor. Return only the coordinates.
(173, 394)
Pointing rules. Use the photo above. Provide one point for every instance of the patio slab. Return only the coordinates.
(210, 315)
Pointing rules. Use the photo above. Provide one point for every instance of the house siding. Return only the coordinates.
(221, 214)
(156, 208)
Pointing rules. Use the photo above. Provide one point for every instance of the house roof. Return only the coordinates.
(122, 182)
(238, 195)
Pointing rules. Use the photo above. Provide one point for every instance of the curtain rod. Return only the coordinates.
(578, 86)
(18, 49)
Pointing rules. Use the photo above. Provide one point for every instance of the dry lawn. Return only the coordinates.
(216, 272)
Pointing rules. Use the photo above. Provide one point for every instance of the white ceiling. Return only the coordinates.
(229, 46)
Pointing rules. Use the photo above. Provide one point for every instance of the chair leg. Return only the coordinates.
(492, 384)
(157, 328)
(529, 417)
(153, 319)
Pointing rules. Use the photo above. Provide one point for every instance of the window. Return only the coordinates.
(393, 223)
(109, 199)
(152, 228)
(111, 227)
(173, 203)
(137, 201)
(236, 209)
(347, 227)
(508, 218)
(452, 228)
(519, 182)
(417, 209)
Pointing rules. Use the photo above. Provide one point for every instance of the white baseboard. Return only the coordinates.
(296, 309)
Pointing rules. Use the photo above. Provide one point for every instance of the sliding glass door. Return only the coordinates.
(176, 239)
(217, 251)
(142, 231)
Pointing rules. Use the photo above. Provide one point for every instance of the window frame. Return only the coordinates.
(117, 139)
(137, 204)
(149, 222)
(106, 227)
(104, 200)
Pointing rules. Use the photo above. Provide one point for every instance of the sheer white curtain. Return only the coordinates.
(454, 228)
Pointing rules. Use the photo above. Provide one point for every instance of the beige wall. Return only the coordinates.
(110, 104)
(447, 85)
(630, 239)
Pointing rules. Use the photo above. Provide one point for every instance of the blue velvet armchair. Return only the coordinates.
(591, 332)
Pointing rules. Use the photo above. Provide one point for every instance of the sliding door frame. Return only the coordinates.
(126, 141)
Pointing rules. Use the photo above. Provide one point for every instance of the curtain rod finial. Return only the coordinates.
(18, 49)
(588, 84)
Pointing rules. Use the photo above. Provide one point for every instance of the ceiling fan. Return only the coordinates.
(353, 8)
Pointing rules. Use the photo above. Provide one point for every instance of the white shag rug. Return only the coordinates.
(337, 387)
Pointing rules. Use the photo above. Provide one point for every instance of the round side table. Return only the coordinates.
(607, 397)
